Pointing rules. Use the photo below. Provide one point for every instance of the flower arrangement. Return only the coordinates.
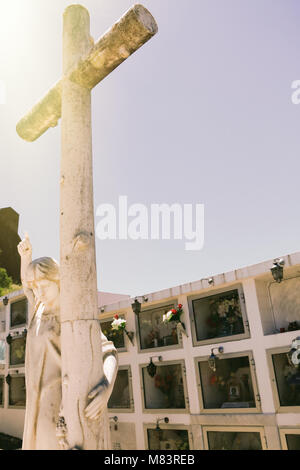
(226, 316)
(119, 324)
(174, 315)
(164, 384)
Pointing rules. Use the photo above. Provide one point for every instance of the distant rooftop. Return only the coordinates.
(106, 298)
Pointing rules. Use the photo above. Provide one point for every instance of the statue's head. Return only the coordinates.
(42, 277)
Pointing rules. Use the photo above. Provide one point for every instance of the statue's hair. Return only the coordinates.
(42, 268)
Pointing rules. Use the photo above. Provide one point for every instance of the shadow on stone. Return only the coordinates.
(9, 442)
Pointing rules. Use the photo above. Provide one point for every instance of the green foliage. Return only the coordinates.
(5, 281)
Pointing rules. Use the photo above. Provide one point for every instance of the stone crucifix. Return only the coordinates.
(85, 64)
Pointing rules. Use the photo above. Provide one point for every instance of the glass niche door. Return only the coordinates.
(231, 388)
(166, 389)
(1, 390)
(17, 351)
(285, 379)
(218, 315)
(153, 333)
(17, 392)
(18, 313)
(116, 336)
(290, 438)
(167, 438)
(234, 438)
(121, 398)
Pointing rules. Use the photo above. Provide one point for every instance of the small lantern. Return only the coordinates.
(212, 358)
(136, 306)
(5, 301)
(151, 367)
(9, 339)
(277, 269)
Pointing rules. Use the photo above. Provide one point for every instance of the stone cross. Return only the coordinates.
(85, 64)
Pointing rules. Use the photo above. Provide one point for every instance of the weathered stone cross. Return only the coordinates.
(85, 64)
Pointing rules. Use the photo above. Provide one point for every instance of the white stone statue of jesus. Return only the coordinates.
(44, 422)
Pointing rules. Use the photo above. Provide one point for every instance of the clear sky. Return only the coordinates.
(201, 114)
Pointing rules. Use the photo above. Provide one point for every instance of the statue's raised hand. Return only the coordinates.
(25, 248)
(99, 396)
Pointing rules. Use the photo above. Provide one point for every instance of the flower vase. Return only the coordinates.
(181, 327)
(130, 335)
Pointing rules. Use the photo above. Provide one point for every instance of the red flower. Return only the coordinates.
(174, 311)
(116, 317)
(180, 306)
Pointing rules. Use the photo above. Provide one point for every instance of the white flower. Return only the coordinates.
(118, 323)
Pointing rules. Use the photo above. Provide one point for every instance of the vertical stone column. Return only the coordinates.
(80, 331)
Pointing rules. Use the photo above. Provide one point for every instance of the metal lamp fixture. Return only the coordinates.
(115, 420)
(277, 269)
(8, 379)
(5, 301)
(9, 339)
(151, 367)
(158, 428)
(212, 358)
(136, 306)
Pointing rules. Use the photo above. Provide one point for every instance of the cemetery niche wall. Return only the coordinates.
(218, 315)
(123, 436)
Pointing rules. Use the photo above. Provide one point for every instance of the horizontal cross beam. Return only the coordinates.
(133, 30)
